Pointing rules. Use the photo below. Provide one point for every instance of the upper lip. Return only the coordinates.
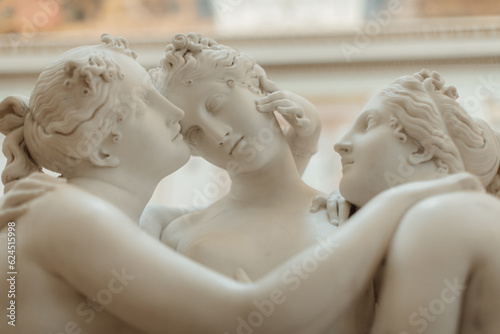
(235, 144)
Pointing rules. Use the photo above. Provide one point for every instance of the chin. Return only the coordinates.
(351, 194)
(260, 162)
(176, 161)
(184, 157)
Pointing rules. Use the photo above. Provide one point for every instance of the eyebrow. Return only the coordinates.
(370, 112)
(363, 115)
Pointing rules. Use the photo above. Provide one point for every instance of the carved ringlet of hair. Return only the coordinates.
(477, 142)
(69, 114)
(417, 117)
(193, 57)
(445, 129)
(13, 111)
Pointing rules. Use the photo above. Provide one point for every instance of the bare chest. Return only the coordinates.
(256, 240)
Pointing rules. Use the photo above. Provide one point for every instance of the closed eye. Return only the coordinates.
(370, 121)
(140, 94)
(215, 102)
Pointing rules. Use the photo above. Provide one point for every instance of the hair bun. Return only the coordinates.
(434, 82)
(191, 42)
(13, 111)
(451, 92)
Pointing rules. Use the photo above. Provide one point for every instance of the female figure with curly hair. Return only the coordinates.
(83, 265)
(218, 87)
(442, 267)
(265, 219)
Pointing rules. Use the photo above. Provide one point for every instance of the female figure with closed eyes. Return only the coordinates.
(265, 218)
(218, 88)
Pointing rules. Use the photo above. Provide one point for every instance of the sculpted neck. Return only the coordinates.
(273, 183)
(130, 197)
(422, 172)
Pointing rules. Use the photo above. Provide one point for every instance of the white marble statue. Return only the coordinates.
(230, 123)
(441, 273)
(82, 264)
(265, 219)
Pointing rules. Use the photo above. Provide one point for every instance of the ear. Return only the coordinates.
(103, 158)
(420, 157)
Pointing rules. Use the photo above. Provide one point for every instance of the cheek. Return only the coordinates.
(212, 153)
(376, 146)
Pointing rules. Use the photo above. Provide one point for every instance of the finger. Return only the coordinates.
(302, 122)
(272, 106)
(14, 198)
(240, 275)
(332, 209)
(11, 214)
(344, 211)
(291, 112)
(318, 202)
(279, 95)
(268, 85)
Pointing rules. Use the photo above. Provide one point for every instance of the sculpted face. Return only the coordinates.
(150, 133)
(223, 125)
(372, 155)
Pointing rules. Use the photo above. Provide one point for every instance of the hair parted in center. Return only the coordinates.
(193, 57)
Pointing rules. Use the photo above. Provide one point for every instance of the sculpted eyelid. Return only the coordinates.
(141, 95)
(368, 119)
(215, 102)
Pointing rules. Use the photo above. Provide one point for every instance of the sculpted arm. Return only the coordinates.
(349, 258)
(305, 124)
(97, 247)
(439, 247)
(91, 247)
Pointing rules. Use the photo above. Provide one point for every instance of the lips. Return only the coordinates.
(346, 162)
(235, 144)
(177, 130)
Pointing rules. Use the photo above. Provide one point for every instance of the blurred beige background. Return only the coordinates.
(335, 53)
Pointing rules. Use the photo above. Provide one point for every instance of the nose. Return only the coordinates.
(343, 147)
(223, 141)
(219, 133)
(177, 113)
(173, 113)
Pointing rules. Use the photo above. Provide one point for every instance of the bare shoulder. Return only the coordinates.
(64, 212)
(66, 204)
(174, 232)
(460, 206)
(156, 217)
(454, 217)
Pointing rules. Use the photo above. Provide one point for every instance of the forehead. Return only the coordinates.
(377, 106)
(196, 91)
(135, 79)
(193, 98)
(129, 67)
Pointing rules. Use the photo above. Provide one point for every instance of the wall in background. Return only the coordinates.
(335, 53)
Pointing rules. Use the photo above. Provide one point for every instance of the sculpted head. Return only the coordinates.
(411, 130)
(217, 87)
(82, 113)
